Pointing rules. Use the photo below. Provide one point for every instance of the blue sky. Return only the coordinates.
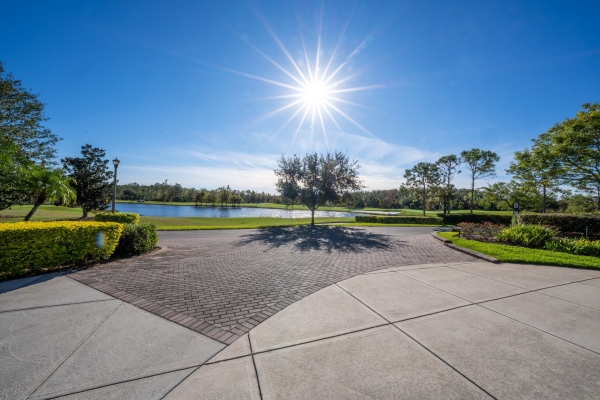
(177, 89)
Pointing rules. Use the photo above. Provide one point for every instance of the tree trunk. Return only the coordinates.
(544, 201)
(312, 217)
(472, 195)
(32, 211)
(85, 213)
(424, 202)
(41, 198)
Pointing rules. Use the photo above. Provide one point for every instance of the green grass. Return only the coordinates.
(375, 224)
(197, 223)
(43, 213)
(515, 254)
(51, 213)
(204, 223)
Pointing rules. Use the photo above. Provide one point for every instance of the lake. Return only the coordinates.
(156, 210)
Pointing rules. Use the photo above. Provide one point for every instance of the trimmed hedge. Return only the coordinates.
(570, 223)
(137, 239)
(122, 218)
(398, 220)
(455, 219)
(35, 245)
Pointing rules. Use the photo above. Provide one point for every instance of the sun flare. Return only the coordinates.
(315, 94)
(315, 86)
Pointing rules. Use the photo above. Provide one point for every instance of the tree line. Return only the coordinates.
(167, 192)
(565, 157)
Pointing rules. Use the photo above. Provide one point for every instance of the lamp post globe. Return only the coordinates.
(114, 199)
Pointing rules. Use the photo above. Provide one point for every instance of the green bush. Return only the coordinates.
(398, 220)
(122, 218)
(527, 235)
(486, 230)
(568, 223)
(582, 247)
(137, 239)
(35, 245)
(455, 219)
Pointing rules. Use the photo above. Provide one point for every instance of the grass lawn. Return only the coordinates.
(202, 223)
(514, 254)
(51, 213)
(375, 224)
(197, 223)
(43, 213)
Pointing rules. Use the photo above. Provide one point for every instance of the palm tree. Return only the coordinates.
(49, 185)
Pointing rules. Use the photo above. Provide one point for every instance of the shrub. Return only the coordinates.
(398, 220)
(122, 218)
(527, 235)
(36, 245)
(455, 219)
(486, 230)
(569, 223)
(137, 239)
(581, 247)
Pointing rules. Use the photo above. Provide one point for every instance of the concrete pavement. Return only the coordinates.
(59, 337)
(462, 329)
(451, 331)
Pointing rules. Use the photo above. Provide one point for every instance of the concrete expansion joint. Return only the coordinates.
(81, 342)
(419, 343)
(55, 305)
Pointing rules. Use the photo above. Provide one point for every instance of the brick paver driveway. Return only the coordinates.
(223, 283)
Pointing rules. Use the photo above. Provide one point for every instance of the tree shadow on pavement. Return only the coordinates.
(326, 238)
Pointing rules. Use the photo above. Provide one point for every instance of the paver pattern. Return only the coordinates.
(223, 283)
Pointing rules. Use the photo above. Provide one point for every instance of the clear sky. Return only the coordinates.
(187, 90)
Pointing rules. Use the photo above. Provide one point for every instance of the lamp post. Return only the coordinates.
(116, 164)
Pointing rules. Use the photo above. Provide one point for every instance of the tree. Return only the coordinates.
(536, 167)
(21, 118)
(579, 204)
(49, 185)
(91, 178)
(502, 195)
(448, 167)
(423, 178)
(482, 164)
(197, 198)
(224, 194)
(15, 170)
(24, 142)
(236, 199)
(317, 179)
(574, 146)
(211, 197)
(203, 196)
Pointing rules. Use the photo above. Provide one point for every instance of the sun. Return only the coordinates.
(315, 95)
(315, 87)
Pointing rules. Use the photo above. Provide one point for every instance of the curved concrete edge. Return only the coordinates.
(464, 250)
(438, 237)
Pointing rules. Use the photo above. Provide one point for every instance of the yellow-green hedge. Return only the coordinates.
(122, 218)
(35, 245)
